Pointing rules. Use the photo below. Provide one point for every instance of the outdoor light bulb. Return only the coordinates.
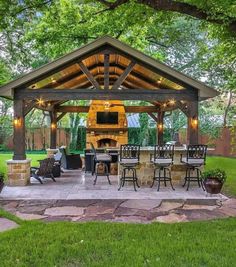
(164, 105)
(194, 122)
(53, 80)
(53, 125)
(172, 102)
(159, 81)
(160, 126)
(49, 104)
(40, 101)
(17, 121)
(107, 105)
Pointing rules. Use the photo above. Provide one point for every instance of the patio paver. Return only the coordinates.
(6, 225)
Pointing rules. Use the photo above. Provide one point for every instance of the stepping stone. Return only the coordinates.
(123, 211)
(130, 219)
(199, 207)
(167, 206)
(94, 210)
(172, 218)
(29, 217)
(36, 209)
(64, 211)
(144, 204)
(6, 224)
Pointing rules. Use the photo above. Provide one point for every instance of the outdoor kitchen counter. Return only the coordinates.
(145, 169)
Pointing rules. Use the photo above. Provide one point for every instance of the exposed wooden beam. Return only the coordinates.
(79, 109)
(60, 116)
(85, 109)
(140, 109)
(89, 75)
(29, 107)
(106, 71)
(123, 76)
(153, 116)
(90, 94)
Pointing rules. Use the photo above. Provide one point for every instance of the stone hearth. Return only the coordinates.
(106, 135)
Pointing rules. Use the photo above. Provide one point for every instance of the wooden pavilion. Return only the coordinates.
(105, 69)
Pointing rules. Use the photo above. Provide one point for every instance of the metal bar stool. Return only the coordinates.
(100, 159)
(162, 159)
(195, 158)
(129, 159)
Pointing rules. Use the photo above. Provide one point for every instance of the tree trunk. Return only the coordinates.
(229, 101)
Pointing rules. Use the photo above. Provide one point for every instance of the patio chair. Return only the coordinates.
(129, 159)
(45, 170)
(70, 161)
(98, 160)
(162, 159)
(195, 158)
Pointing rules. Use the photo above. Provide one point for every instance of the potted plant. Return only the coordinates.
(1, 181)
(213, 180)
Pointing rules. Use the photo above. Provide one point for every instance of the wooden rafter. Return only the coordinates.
(60, 116)
(106, 71)
(123, 76)
(89, 75)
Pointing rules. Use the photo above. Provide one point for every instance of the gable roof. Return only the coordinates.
(69, 59)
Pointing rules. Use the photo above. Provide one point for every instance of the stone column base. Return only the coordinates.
(18, 172)
(51, 152)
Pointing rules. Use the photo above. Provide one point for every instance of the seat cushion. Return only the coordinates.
(193, 161)
(163, 161)
(129, 161)
(103, 157)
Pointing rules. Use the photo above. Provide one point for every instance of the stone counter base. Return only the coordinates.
(145, 173)
(18, 172)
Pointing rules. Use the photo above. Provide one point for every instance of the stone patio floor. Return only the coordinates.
(74, 198)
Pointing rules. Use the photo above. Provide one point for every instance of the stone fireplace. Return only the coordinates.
(103, 135)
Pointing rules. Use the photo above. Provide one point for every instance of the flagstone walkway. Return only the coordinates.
(114, 210)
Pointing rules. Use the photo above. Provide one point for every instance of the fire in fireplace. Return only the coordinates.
(106, 142)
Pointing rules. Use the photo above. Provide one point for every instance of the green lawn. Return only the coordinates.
(116, 244)
(33, 157)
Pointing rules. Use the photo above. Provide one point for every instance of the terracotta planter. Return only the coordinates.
(1, 183)
(213, 185)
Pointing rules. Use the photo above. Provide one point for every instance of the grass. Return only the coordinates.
(115, 244)
(6, 156)
(66, 244)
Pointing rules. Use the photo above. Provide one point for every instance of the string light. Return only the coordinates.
(40, 101)
(172, 102)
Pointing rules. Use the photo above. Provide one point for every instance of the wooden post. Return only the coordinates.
(19, 130)
(192, 130)
(160, 127)
(53, 129)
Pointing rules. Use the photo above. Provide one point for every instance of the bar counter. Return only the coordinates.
(145, 169)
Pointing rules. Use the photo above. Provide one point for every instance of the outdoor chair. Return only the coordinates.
(45, 170)
(129, 159)
(195, 158)
(162, 159)
(70, 161)
(100, 159)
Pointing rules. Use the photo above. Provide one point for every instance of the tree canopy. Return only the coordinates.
(197, 37)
